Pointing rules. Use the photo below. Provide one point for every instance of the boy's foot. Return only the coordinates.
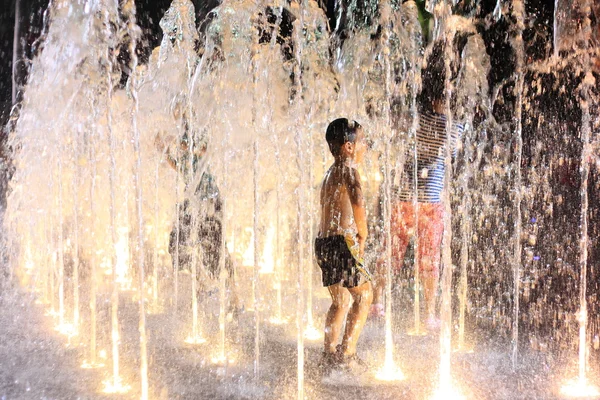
(329, 361)
(354, 364)
(377, 311)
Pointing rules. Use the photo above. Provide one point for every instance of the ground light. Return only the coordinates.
(389, 372)
(94, 365)
(88, 365)
(579, 388)
(198, 339)
(278, 320)
(313, 333)
(66, 329)
(448, 392)
(223, 359)
(115, 386)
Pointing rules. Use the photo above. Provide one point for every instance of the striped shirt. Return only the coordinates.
(431, 152)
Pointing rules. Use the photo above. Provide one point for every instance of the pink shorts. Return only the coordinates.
(430, 228)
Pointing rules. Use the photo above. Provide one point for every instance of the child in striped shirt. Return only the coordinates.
(422, 179)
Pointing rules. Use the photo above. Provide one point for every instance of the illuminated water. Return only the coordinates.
(94, 201)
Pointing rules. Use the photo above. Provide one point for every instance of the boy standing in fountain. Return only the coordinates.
(339, 247)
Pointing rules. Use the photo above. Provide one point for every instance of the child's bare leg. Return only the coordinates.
(431, 229)
(231, 284)
(234, 300)
(379, 282)
(340, 302)
(400, 236)
(430, 284)
(363, 296)
(428, 268)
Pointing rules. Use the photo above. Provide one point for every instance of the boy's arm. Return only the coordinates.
(358, 207)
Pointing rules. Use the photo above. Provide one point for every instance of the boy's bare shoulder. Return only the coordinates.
(342, 175)
(351, 179)
(333, 176)
(350, 176)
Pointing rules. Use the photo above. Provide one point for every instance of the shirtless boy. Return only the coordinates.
(339, 247)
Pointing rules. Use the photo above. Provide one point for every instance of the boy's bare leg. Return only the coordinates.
(231, 285)
(363, 296)
(340, 303)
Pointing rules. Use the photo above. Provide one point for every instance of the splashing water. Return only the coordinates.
(94, 202)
